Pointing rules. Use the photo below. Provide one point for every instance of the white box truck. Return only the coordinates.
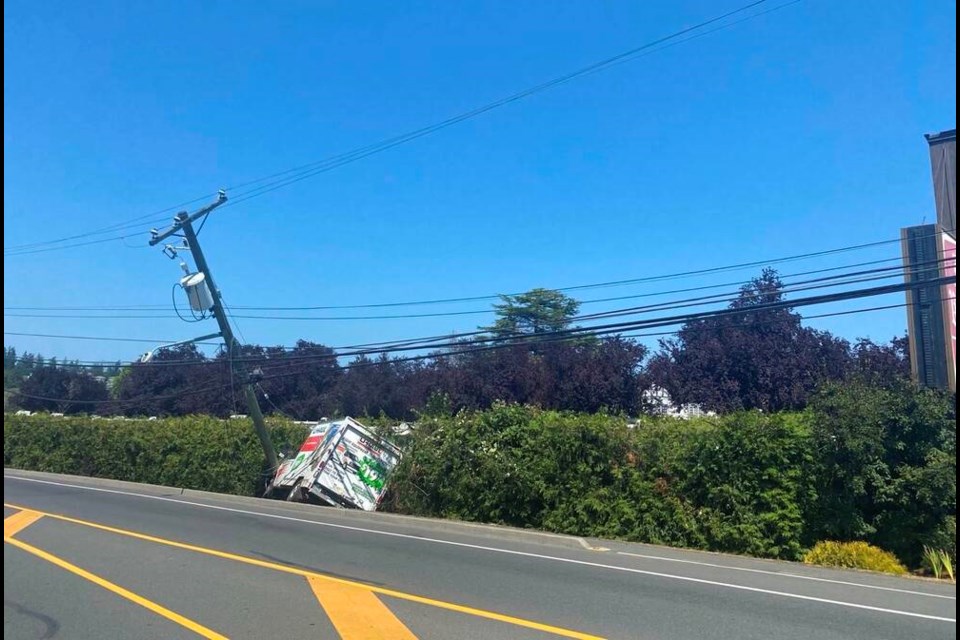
(341, 463)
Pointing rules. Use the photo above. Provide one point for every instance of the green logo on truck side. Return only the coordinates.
(372, 473)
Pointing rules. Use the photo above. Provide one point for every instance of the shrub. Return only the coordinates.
(854, 555)
(888, 467)
(748, 474)
(736, 484)
(864, 463)
(193, 452)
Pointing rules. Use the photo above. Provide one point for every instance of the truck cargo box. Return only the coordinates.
(341, 463)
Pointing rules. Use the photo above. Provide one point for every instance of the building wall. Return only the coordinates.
(928, 313)
(943, 164)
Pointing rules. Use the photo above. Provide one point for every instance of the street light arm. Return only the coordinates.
(148, 356)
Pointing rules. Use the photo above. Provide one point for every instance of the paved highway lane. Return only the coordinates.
(86, 558)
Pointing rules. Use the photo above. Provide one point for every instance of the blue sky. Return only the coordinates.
(798, 131)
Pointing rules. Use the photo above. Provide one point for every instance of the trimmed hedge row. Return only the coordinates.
(194, 452)
(737, 484)
(863, 462)
(871, 464)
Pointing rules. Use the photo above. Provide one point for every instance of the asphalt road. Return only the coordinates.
(86, 558)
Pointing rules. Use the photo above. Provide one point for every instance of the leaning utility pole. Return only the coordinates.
(184, 222)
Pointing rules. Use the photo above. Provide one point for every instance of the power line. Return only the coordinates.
(855, 277)
(266, 396)
(576, 333)
(445, 340)
(148, 307)
(647, 49)
(311, 169)
(601, 335)
(98, 338)
(127, 401)
(487, 342)
(233, 317)
(88, 364)
(726, 297)
(890, 271)
(431, 342)
(562, 336)
(109, 228)
(488, 297)
(357, 365)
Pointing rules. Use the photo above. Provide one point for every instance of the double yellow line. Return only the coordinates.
(352, 607)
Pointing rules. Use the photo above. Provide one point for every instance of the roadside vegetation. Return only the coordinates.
(804, 438)
(863, 463)
(759, 356)
(854, 555)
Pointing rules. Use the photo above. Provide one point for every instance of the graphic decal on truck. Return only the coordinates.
(372, 473)
(342, 463)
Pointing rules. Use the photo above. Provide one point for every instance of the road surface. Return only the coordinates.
(86, 558)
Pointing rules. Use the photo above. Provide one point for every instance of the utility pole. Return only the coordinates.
(184, 222)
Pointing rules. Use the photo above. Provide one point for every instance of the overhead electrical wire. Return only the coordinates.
(98, 338)
(717, 298)
(612, 283)
(356, 365)
(446, 342)
(127, 401)
(891, 271)
(647, 49)
(617, 327)
(431, 341)
(152, 307)
(296, 174)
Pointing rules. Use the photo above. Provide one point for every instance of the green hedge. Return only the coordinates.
(193, 452)
(872, 464)
(737, 484)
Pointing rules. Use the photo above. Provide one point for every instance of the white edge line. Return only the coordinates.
(527, 554)
(787, 575)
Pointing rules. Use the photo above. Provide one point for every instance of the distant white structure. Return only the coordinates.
(661, 404)
(402, 429)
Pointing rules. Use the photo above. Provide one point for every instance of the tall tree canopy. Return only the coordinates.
(533, 312)
(764, 359)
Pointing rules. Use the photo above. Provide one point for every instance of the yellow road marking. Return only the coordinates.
(357, 613)
(490, 615)
(19, 521)
(197, 628)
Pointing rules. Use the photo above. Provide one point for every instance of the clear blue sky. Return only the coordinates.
(798, 131)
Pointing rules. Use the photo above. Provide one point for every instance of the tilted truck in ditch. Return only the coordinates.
(341, 463)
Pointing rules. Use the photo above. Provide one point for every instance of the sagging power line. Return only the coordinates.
(281, 179)
(120, 403)
(891, 272)
(494, 296)
(486, 341)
